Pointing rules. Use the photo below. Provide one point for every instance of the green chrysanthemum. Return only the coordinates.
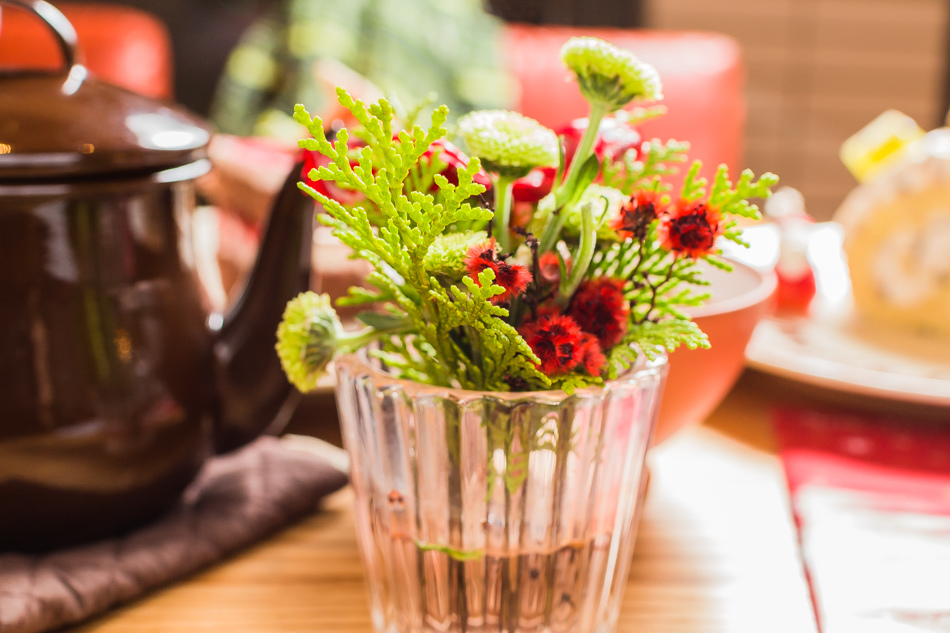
(307, 339)
(447, 254)
(508, 143)
(608, 75)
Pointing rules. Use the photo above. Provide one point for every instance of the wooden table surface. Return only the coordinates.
(716, 551)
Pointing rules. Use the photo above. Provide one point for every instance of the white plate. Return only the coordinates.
(831, 347)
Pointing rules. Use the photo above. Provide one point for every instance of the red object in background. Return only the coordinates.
(796, 277)
(703, 84)
(795, 291)
(120, 45)
(700, 378)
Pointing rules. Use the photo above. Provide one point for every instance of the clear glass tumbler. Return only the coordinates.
(487, 511)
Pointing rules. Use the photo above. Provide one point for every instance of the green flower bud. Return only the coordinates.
(448, 252)
(307, 339)
(608, 75)
(508, 143)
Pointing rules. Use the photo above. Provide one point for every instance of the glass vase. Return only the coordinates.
(488, 511)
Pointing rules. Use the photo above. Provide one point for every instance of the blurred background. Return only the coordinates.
(817, 70)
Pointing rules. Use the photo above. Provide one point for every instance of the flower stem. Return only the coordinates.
(552, 228)
(349, 342)
(565, 191)
(501, 225)
(597, 113)
(582, 258)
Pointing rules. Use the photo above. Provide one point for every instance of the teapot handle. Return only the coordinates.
(61, 27)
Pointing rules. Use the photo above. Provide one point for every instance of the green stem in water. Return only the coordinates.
(502, 224)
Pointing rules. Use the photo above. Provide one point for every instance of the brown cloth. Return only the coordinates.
(237, 500)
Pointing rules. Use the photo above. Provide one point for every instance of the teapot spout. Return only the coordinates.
(252, 395)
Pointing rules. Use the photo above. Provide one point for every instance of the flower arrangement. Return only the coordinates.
(580, 259)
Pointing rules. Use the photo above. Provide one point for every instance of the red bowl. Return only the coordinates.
(699, 379)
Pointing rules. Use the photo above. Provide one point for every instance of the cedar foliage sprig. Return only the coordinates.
(410, 224)
(662, 284)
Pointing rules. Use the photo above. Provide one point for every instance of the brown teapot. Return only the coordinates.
(116, 383)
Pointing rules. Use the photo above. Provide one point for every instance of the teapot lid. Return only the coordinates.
(69, 124)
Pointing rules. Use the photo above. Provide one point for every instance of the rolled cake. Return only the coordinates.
(897, 240)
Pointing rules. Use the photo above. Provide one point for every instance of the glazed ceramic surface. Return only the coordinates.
(115, 381)
(699, 379)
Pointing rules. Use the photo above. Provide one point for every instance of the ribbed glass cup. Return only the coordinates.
(485, 511)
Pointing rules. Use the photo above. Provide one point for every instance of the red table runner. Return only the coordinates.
(871, 501)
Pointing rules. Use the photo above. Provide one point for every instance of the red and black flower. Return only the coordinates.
(690, 228)
(601, 309)
(638, 213)
(514, 278)
(592, 357)
(558, 342)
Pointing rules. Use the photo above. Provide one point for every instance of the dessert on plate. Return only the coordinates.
(897, 225)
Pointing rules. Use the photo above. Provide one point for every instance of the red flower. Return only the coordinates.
(592, 357)
(455, 159)
(315, 160)
(638, 213)
(571, 135)
(550, 269)
(514, 278)
(600, 308)
(614, 140)
(534, 186)
(690, 228)
(558, 342)
(617, 138)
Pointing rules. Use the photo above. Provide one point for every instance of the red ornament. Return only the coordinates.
(638, 213)
(690, 228)
(514, 278)
(796, 289)
(558, 342)
(600, 308)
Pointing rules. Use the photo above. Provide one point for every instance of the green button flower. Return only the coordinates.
(608, 75)
(307, 339)
(508, 143)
